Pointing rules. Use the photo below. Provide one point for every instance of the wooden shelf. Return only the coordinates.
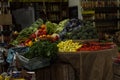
(55, 11)
(107, 20)
(106, 9)
(106, 13)
(36, 1)
(88, 12)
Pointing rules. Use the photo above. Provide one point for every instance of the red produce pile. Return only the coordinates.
(95, 46)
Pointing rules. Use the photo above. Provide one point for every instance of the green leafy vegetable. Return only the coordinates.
(61, 25)
(42, 49)
(51, 27)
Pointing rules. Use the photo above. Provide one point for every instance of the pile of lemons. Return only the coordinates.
(68, 46)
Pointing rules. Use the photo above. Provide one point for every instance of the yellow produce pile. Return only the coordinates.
(10, 78)
(68, 46)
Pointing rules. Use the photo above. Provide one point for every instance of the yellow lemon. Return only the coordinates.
(1, 78)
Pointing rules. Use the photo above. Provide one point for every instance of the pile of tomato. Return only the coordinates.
(95, 46)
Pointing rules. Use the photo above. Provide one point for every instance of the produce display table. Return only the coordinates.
(116, 71)
(88, 65)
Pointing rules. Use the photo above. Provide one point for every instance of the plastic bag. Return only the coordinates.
(30, 64)
(12, 52)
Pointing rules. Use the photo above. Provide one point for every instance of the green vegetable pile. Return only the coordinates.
(51, 27)
(42, 49)
(55, 28)
(61, 25)
(86, 31)
(26, 32)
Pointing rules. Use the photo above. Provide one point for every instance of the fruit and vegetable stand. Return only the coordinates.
(84, 65)
(116, 68)
(63, 51)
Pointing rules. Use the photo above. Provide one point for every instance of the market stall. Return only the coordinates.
(87, 65)
(68, 51)
(96, 65)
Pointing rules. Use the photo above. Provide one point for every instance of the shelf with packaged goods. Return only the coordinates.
(106, 12)
(107, 20)
(88, 12)
(36, 0)
(103, 23)
(106, 9)
(88, 15)
(55, 11)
